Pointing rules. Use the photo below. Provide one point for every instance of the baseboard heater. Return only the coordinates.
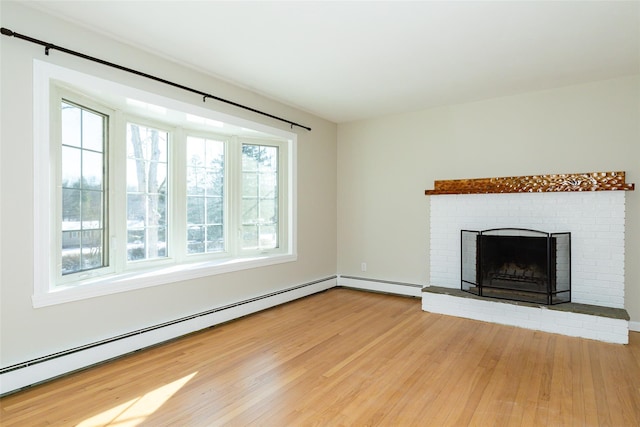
(38, 370)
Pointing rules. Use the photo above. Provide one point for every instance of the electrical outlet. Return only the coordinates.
(363, 266)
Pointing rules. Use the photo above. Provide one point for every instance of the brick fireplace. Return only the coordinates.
(595, 219)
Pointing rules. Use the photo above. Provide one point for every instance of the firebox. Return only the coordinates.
(517, 264)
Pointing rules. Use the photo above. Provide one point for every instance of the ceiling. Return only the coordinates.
(346, 61)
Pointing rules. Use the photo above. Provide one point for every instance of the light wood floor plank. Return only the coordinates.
(349, 358)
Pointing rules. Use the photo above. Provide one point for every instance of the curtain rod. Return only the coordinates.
(51, 46)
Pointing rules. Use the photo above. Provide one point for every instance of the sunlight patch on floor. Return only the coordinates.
(135, 411)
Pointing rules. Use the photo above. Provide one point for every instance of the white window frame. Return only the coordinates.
(49, 290)
(120, 186)
(59, 94)
(282, 195)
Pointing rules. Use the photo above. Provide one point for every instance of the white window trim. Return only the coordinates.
(55, 237)
(44, 293)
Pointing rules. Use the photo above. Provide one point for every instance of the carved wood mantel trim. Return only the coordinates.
(591, 181)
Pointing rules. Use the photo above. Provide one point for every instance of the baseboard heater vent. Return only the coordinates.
(45, 368)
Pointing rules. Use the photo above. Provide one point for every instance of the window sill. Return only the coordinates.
(153, 277)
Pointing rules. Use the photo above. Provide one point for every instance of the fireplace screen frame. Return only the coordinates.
(551, 287)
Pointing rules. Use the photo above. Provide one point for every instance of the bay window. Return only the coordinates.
(144, 193)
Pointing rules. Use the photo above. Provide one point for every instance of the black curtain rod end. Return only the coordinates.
(6, 31)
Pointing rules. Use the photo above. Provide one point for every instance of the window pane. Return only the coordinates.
(157, 181)
(196, 181)
(268, 237)
(136, 208)
(259, 197)
(214, 154)
(146, 243)
(195, 239)
(157, 247)
(92, 170)
(91, 249)
(71, 209)
(250, 157)
(268, 185)
(268, 161)
(205, 187)
(70, 252)
(214, 233)
(214, 210)
(250, 211)
(250, 184)
(195, 210)
(214, 184)
(195, 152)
(92, 131)
(91, 210)
(267, 212)
(71, 125)
(158, 209)
(214, 238)
(147, 149)
(195, 233)
(146, 143)
(135, 244)
(135, 167)
(83, 202)
(71, 167)
(250, 236)
(195, 247)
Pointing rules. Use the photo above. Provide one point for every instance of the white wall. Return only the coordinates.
(26, 332)
(385, 164)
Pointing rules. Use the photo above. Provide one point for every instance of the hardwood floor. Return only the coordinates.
(349, 358)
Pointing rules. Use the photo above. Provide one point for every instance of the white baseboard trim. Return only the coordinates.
(35, 371)
(385, 286)
(634, 326)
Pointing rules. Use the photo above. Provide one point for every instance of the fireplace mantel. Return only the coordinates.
(591, 181)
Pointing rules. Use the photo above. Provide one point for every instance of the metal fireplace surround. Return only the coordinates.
(517, 264)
